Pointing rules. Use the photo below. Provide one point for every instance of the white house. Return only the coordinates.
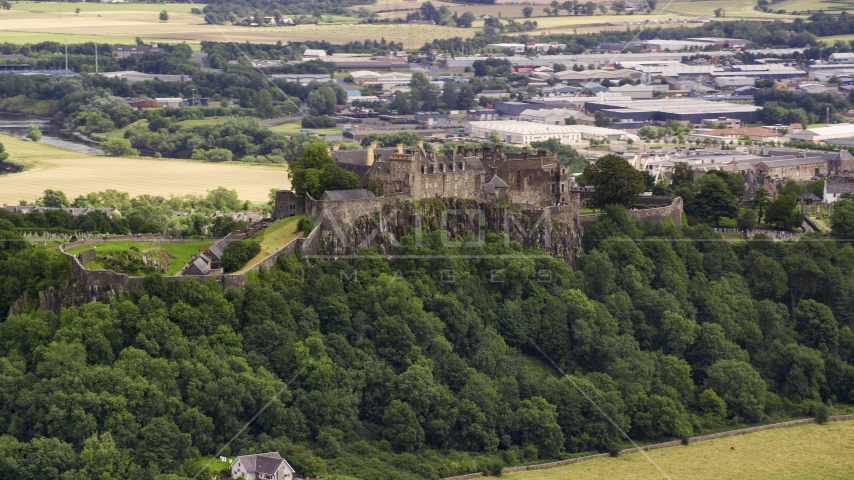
(833, 191)
(262, 466)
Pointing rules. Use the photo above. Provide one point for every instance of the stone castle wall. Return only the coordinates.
(664, 208)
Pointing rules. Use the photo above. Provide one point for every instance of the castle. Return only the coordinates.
(481, 174)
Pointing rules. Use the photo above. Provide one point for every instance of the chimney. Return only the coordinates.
(369, 153)
(335, 148)
(399, 148)
(420, 146)
(373, 144)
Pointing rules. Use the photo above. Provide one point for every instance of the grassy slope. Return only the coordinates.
(183, 252)
(294, 127)
(273, 238)
(800, 452)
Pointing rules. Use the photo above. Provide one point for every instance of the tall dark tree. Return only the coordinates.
(616, 182)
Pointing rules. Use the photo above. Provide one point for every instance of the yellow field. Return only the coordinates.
(801, 452)
(122, 23)
(734, 9)
(78, 174)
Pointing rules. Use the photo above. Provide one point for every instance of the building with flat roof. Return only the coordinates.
(681, 109)
(550, 116)
(523, 133)
(820, 134)
(514, 109)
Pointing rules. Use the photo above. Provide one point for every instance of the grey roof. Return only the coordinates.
(342, 195)
(488, 189)
(198, 267)
(495, 181)
(216, 250)
(843, 155)
(809, 195)
(261, 463)
(362, 171)
(787, 162)
(840, 187)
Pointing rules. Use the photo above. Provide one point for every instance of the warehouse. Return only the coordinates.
(523, 133)
(681, 109)
(842, 130)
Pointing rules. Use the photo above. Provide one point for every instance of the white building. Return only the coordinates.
(842, 130)
(523, 133)
(841, 58)
(833, 191)
(313, 53)
(554, 116)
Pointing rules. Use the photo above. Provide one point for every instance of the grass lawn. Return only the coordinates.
(78, 173)
(273, 238)
(203, 122)
(733, 9)
(183, 252)
(802, 452)
(216, 465)
(587, 211)
(295, 127)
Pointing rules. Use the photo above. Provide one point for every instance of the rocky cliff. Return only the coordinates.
(555, 230)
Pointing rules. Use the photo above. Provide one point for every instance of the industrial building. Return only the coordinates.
(523, 133)
(820, 134)
(680, 109)
(554, 116)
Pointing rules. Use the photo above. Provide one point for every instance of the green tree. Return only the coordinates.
(683, 174)
(494, 137)
(77, 11)
(616, 182)
(34, 133)
(164, 16)
(264, 105)
(713, 199)
(782, 213)
(841, 219)
(746, 219)
(5, 5)
(816, 325)
(538, 423)
(761, 201)
(237, 253)
(740, 386)
(713, 407)
(766, 278)
(401, 427)
(527, 12)
(54, 198)
(118, 147)
(4, 155)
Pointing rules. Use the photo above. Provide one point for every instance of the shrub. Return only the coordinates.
(34, 133)
(614, 449)
(119, 147)
(213, 155)
(319, 121)
(305, 225)
(822, 413)
(237, 253)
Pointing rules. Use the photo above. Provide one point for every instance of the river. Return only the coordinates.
(18, 125)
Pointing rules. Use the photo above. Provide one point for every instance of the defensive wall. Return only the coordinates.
(661, 209)
(656, 446)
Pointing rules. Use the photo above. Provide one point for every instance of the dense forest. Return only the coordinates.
(424, 367)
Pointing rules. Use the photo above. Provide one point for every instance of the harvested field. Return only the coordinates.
(78, 174)
(804, 452)
(121, 23)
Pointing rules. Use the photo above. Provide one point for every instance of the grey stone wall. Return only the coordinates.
(87, 255)
(672, 210)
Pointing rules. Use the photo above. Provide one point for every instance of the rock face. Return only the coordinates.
(555, 230)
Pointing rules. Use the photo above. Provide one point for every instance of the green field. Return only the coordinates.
(183, 252)
(273, 238)
(801, 452)
(295, 127)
